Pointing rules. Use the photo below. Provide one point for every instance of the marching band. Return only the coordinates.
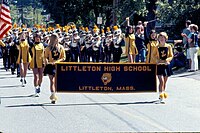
(37, 47)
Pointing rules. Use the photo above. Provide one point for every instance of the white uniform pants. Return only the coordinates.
(194, 58)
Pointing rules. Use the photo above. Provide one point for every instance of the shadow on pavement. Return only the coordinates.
(25, 96)
(8, 77)
(186, 74)
(83, 104)
(10, 86)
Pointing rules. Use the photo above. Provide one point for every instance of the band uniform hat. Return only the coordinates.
(24, 30)
(108, 32)
(70, 32)
(96, 36)
(58, 31)
(116, 30)
(75, 32)
(102, 33)
(83, 33)
(46, 34)
(66, 35)
(15, 30)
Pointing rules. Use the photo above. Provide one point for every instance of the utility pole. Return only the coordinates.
(114, 11)
(22, 11)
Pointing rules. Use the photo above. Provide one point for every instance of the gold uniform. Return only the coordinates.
(151, 46)
(55, 54)
(130, 47)
(37, 56)
(24, 55)
(165, 55)
(2, 43)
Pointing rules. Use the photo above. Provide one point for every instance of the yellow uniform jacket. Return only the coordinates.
(163, 53)
(24, 55)
(55, 54)
(37, 60)
(151, 46)
(130, 47)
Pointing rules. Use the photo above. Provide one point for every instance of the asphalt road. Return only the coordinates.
(21, 112)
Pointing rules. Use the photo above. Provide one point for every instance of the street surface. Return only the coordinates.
(21, 112)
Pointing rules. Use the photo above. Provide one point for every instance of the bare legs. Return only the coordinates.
(53, 97)
(23, 69)
(23, 72)
(38, 76)
(131, 58)
(162, 83)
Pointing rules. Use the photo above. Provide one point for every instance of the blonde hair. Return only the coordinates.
(163, 34)
(194, 27)
(53, 41)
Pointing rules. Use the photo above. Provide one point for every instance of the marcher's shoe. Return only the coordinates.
(37, 92)
(24, 81)
(53, 98)
(12, 73)
(165, 95)
(161, 98)
(18, 75)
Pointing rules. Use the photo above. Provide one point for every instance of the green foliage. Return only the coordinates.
(177, 12)
(85, 12)
(27, 12)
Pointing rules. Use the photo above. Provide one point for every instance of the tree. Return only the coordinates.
(87, 11)
(176, 12)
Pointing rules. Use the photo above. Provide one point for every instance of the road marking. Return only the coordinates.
(142, 119)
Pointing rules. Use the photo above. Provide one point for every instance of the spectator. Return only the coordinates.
(179, 59)
(140, 44)
(193, 44)
(184, 34)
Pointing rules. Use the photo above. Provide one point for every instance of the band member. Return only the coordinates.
(53, 53)
(66, 42)
(37, 62)
(102, 46)
(88, 46)
(118, 42)
(96, 48)
(108, 45)
(82, 46)
(45, 40)
(163, 54)
(75, 46)
(6, 53)
(95, 31)
(151, 42)
(24, 57)
(130, 47)
(14, 51)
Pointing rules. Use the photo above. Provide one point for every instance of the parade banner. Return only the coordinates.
(105, 77)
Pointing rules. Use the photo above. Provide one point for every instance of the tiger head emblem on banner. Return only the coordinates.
(106, 78)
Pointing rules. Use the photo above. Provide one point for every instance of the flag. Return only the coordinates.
(5, 18)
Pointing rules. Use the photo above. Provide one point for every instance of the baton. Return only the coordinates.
(129, 17)
(157, 19)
